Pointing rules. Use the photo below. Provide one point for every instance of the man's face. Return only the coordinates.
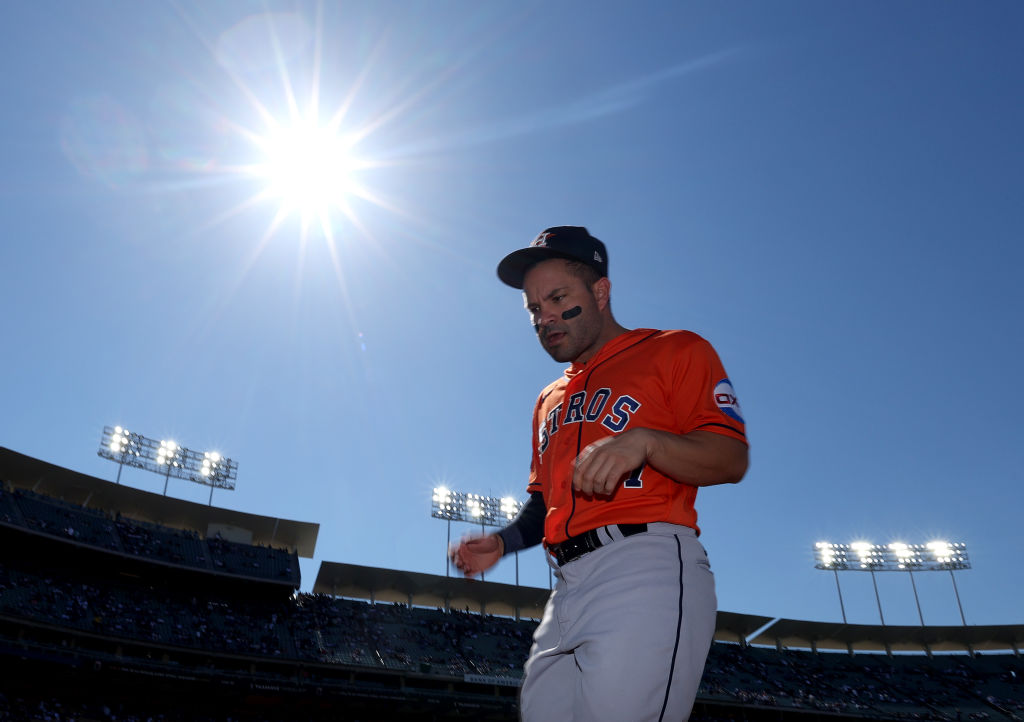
(549, 290)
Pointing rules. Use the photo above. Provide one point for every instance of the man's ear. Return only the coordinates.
(602, 290)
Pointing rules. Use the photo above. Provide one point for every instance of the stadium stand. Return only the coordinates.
(136, 620)
(55, 518)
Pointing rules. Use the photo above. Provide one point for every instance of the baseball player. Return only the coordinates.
(621, 442)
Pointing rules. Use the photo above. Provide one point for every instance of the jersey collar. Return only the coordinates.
(609, 349)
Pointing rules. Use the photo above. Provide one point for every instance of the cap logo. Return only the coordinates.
(541, 241)
(597, 257)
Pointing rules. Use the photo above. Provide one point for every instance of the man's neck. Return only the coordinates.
(609, 332)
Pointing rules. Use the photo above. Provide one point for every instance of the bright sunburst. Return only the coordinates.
(308, 168)
(309, 147)
(302, 147)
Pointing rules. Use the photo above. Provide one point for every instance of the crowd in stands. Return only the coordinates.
(912, 687)
(55, 709)
(400, 637)
(92, 527)
(329, 631)
(314, 628)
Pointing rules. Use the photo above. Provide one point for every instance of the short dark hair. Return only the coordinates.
(584, 271)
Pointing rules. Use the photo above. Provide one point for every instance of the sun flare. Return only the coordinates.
(308, 168)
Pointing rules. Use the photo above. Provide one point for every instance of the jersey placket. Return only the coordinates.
(576, 384)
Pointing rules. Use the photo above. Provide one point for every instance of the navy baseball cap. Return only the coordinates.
(572, 242)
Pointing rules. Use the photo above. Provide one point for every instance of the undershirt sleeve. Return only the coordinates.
(527, 529)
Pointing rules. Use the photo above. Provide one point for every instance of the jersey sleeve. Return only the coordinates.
(706, 400)
(534, 485)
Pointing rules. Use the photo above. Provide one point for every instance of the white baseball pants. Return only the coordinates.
(625, 633)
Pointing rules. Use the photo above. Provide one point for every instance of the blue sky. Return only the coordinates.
(829, 192)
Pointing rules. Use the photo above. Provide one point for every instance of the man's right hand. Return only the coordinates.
(477, 554)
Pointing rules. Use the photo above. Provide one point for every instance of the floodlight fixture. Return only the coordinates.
(167, 458)
(477, 508)
(906, 557)
(933, 556)
(121, 445)
(510, 507)
(893, 557)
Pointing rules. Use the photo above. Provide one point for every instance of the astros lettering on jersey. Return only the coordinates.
(666, 380)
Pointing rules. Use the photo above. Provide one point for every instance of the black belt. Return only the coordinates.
(576, 546)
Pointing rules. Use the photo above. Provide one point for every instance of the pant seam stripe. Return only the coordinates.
(679, 625)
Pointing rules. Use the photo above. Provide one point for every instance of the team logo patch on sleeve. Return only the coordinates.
(726, 399)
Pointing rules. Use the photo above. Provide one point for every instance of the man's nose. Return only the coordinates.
(543, 318)
(547, 316)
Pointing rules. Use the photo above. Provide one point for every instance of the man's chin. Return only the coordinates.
(560, 355)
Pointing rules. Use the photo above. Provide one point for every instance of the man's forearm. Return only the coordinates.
(700, 458)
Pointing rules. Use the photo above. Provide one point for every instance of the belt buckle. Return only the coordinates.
(575, 547)
(568, 551)
(559, 552)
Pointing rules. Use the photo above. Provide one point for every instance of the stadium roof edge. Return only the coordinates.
(431, 590)
(26, 472)
(835, 636)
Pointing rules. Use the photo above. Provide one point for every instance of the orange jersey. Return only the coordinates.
(667, 380)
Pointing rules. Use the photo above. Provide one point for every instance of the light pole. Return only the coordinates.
(951, 556)
(168, 459)
(509, 508)
(168, 456)
(476, 508)
(441, 507)
(862, 556)
(122, 446)
(870, 559)
(216, 471)
(832, 556)
(906, 557)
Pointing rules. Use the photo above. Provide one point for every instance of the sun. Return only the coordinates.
(307, 148)
(308, 168)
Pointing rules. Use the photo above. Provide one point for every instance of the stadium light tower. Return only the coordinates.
(122, 446)
(950, 556)
(827, 559)
(168, 456)
(168, 459)
(895, 557)
(907, 559)
(476, 508)
(870, 560)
